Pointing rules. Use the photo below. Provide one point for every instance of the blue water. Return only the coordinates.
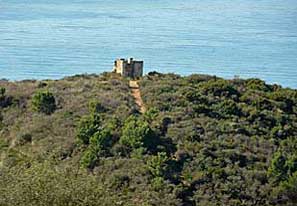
(54, 38)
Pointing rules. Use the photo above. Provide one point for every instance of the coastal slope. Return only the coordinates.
(201, 140)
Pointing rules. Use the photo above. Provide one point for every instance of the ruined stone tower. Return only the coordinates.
(128, 67)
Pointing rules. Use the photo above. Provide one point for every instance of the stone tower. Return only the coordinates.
(128, 67)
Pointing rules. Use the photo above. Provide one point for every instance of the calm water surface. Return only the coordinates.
(53, 38)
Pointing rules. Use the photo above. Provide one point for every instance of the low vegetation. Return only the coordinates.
(202, 141)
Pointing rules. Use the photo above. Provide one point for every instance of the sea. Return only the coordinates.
(50, 39)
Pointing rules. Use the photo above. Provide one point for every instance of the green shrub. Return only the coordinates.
(119, 181)
(138, 153)
(23, 139)
(136, 133)
(278, 168)
(96, 107)
(289, 188)
(257, 84)
(284, 162)
(203, 140)
(158, 183)
(195, 96)
(227, 107)
(99, 139)
(2, 91)
(5, 101)
(87, 127)
(219, 87)
(89, 158)
(3, 144)
(44, 102)
(157, 164)
(102, 140)
(91, 126)
(151, 114)
(1, 121)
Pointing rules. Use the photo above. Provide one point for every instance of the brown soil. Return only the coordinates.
(136, 94)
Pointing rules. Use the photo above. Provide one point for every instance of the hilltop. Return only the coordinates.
(201, 140)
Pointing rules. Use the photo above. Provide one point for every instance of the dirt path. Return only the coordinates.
(136, 94)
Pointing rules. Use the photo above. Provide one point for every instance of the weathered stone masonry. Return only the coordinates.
(128, 67)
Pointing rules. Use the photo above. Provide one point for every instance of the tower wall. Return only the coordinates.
(128, 68)
(138, 69)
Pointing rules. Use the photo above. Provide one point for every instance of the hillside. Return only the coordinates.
(203, 140)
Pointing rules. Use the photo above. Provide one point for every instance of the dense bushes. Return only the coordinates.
(1, 121)
(157, 164)
(44, 102)
(288, 190)
(23, 139)
(43, 160)
(88, 126)
(92, 132)
(283, 170)
(2, 91)
(137, 134)
(227, 132)
(203, 141)
(42, 184)
(100, 136)
(5, 101)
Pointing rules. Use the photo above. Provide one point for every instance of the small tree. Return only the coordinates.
(136, 133)
(89, 158)
(96, 107)
(1, 121)
(278, 168)
(289, 188)
(102, 140)
(87, 127)
(157, 165)
(44, 102)
(227, 107)
(2, 91)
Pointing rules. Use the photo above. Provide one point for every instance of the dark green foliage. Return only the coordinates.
(278, 168)
(102, 139)
(89, 157)
(44, 102)
(1, 121)
(288, 189)
(219, 87)
(91, 126)
(203, 141)
(151, 114)
(283, 171)
(2, 91)
(5, 101)
(157, 164)
(257, 84)
(227, 107)
(97, 136)
(225, 132)
(195, 96)
(96, 107)
(100, 144)
(88, 126)
(23, 139)
(137, 133)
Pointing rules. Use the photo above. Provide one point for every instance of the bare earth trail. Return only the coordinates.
(137, 96)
